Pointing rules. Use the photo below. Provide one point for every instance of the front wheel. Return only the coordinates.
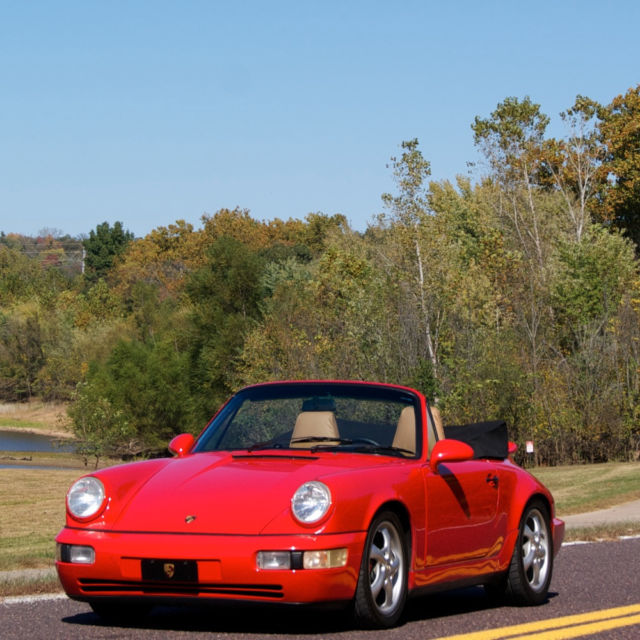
(382, 583)
(532, 561)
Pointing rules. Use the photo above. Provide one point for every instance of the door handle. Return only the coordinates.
(492, 479)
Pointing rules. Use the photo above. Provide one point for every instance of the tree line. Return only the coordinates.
(513, 296)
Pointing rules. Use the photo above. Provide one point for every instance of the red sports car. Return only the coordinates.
(313, 492)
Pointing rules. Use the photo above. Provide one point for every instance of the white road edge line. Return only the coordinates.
(30, 599)
(578, 542)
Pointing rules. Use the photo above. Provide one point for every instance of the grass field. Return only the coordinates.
(582, 488)
(33, 511)
(45, 417)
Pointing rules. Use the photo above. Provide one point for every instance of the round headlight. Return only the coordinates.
(311, 502)
(85, 498)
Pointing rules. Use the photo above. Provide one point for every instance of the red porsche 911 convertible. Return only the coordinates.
(313, 492)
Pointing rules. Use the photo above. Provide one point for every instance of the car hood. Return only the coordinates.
(218, 493)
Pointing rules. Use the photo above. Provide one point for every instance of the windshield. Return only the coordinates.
(318, 416)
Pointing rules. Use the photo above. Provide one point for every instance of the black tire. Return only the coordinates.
(120, 612)
(381, 593)
(531, 565)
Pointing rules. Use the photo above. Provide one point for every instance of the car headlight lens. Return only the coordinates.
(85, 498)
(311, 502)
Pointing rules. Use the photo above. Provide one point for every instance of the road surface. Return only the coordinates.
(595, 590)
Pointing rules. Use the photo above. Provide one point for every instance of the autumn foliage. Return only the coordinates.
(515, 296)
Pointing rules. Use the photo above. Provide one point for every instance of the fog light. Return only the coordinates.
(325, 559)
(274, 560)
(75, 554)
(82, 555)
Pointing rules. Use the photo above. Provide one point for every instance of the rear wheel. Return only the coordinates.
(531, 565)
(382, 584)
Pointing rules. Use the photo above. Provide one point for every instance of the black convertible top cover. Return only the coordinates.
(488, 439)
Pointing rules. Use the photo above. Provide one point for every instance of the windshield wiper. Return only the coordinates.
(329, 440)
(356, 443)
(266, 444)
(379, 448)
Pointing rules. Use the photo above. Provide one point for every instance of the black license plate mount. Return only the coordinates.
(156, 570)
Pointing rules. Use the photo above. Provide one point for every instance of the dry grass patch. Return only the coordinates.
(32, 503)
(46, 417)
(582, 488)
(28, 584)
(604, 532)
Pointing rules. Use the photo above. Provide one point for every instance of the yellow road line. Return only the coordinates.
(618, 617)
(582, 629)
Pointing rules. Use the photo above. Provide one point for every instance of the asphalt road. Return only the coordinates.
(597, 579)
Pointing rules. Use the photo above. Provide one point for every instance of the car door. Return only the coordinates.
(462, 512)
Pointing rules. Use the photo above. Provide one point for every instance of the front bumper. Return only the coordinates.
(226, 567)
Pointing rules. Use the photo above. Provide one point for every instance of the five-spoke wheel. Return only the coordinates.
(382, 585)
(532, 561)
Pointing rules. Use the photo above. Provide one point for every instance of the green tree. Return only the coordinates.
(529, 214)
(21, 355)
(225, 299)
(511, 139)
(102, 247)
(280, 345)
(409, 215)
(325, 319)
(23, 279)
(620, 133)
(574, 163)
(136, 401)
(591, 280)
(100, 429)
(162, 259)
(318, 229)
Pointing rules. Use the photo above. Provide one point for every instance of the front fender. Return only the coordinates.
(357, 496)
(524, 489)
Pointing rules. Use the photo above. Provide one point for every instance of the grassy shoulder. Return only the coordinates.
(38, 459)
(32, 503)
(29, 583)
(584, 488)
(602, 532)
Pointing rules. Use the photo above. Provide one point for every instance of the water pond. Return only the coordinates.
(24, 441)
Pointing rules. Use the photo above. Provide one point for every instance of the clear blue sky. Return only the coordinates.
(152, 111)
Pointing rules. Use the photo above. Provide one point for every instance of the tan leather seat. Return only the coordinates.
(314, 424)
(405, 437)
